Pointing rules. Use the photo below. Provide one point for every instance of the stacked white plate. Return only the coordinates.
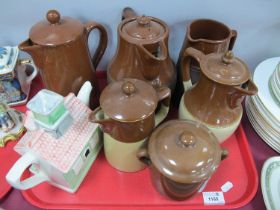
(263, 109)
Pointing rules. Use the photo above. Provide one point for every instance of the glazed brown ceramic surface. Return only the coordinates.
(224, 82)
(208, 36)
(59, 48)
(129, 106)
(182, 154)
(142, 52)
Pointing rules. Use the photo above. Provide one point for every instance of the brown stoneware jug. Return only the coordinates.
(142, 52)
(182, 155)
(59, 48)
(127, 117)
(208, 36)
(215, 100)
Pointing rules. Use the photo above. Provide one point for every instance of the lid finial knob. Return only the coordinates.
(228, 57)
(144, 20)
(128, 88)
(53, 16)
(187, 139)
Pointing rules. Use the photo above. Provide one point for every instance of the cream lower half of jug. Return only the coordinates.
(123, 156)
(221, 132)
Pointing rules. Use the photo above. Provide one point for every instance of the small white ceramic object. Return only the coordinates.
(270, 183)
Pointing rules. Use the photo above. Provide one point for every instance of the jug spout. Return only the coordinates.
(107, 125)
(128, 12)
(34, 50)
(247, 89)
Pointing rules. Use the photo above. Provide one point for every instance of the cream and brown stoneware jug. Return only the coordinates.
(127, 117)
(215, 100)
(59, 48)
(142, 52)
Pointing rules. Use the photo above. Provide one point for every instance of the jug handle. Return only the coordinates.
(164, 95)
(151, 56)
(224, 153)
(128, 12)
(103, 40)
(185, 68)
(235, 98)
(143, 156)
(233, 37)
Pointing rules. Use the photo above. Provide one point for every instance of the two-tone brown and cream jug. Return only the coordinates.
(127, 117)
(215, 100)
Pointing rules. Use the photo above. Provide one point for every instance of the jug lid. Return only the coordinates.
(55, 30)
(184, 151)
(128, 100)
(224, 68)
(143, 29)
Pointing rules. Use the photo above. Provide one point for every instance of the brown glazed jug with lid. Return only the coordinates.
(215, 100)
(127, 117)
(182, 155)
(207, 36)
(142, 51)
(59, 48)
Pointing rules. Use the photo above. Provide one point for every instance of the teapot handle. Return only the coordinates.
(103, 40)
(128, 12)
(233, 37)
(149, 55)
(164, 95)
(143, 156)
(185, 65)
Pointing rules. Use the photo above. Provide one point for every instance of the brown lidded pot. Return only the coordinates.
(127, 117)
(59, 48)
(142, 51)
(182, 155)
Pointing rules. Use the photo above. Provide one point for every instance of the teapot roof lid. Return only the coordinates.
(224, 68)
(55, 30)
(128, 100)
(143, 29)
(185, 151)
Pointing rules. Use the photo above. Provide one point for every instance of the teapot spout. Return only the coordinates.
(84, 93)
(34, 50)
(107, 125)
(247, 89)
